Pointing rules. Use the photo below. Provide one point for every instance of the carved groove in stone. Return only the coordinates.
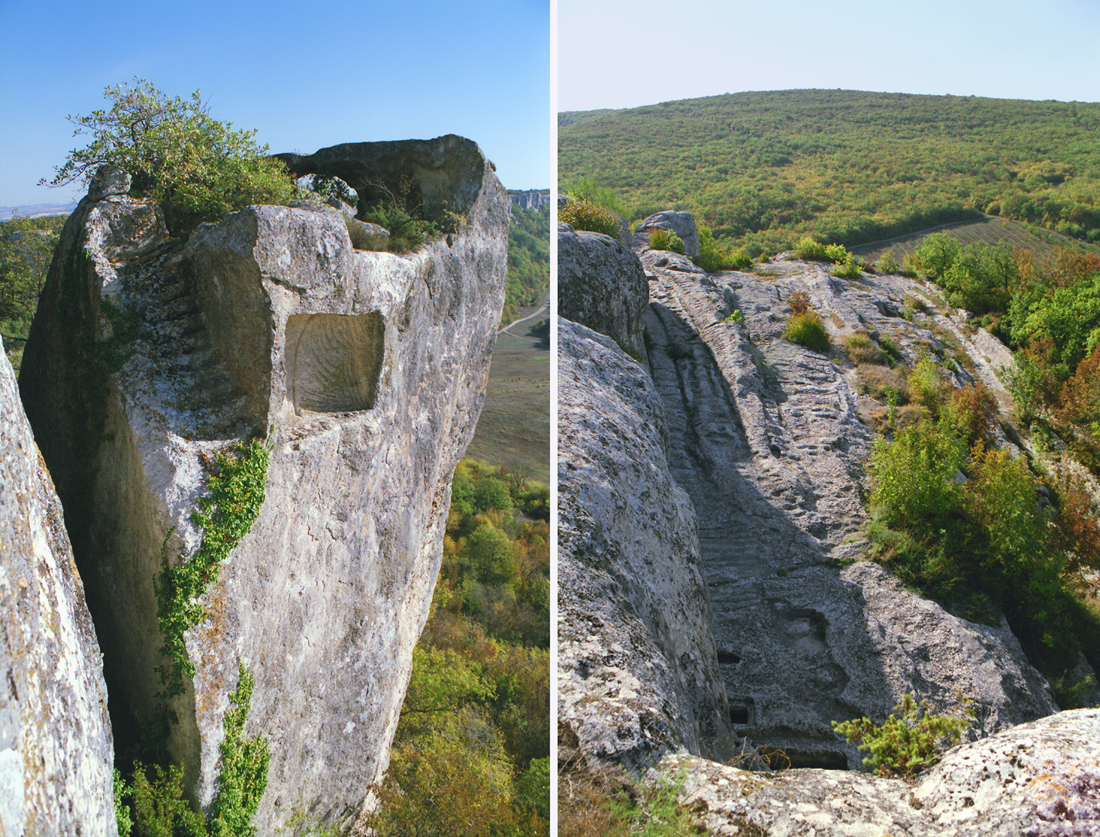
(333, 361)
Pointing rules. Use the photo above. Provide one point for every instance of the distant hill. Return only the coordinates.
(764, 168)
(38, 210)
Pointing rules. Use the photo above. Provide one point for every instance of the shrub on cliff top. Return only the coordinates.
(197, 168)
(665, 240)
(582, 215)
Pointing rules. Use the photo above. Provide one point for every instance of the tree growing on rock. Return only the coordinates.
(196, 167)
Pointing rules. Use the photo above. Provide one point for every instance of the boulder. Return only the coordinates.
(363, 371)
(1040, 778)
(681, 223)
(55, 736)
(637, 672)
(601, 285)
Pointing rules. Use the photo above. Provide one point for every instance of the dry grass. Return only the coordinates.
(879, 381)
(862, 349)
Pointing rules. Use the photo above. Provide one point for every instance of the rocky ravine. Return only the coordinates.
(766, 439)
(364, 370)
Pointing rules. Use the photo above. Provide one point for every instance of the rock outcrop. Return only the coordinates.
(55, 736)
(1040, 778)
(364, 371)
(637, 671)
(601, 285)
(681, 223)
(768, 440)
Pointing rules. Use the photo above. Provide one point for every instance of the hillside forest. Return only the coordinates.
(762, 169)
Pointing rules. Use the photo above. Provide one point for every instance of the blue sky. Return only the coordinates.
(616, 55)
(305, 74)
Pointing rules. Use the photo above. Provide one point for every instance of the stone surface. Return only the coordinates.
(366, 372)
(601, 285)
(637, 673)
(681, 223)
(766, 438)
(55, 736)
(1039, 779)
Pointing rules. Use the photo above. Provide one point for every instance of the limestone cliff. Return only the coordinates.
(55, 736)
(768, 441)
(364, 372)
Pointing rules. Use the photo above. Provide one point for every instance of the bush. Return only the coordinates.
(913, 478)
(713, 259)
(665, 240)
(362, 238)
(807, 330)
(849, 269)
(887, 264)
(809, 250)
(799, 302)
(197, 168)
(882, 383)
(910, 740)
(582, 215)
(862, 349)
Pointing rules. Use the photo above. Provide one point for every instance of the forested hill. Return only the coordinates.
(847, 166)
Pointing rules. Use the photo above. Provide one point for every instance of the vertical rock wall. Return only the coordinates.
(55, 737)
(366, 373)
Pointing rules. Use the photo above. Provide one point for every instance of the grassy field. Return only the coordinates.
(1042, 243)
(514, 429)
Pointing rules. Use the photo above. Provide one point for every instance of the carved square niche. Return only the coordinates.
(333, 361)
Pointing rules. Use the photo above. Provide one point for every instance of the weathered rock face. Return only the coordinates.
(767, 440)
(1041, 778)
(637, 672)
(601, 285)
(55, 736)
(366, 371)
(681, 223)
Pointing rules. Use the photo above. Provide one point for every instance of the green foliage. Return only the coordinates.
(849, 269)
(853, 167)
(936, 254)
(714, 259)
(242, 778)
(152, 804)
(735, 317)
(665, 240)
(809, 250)
(914, 478)
(159, 809)
(862, 349)
(471, 755)
(491, 493)
(489, 551)
(910, 740)
(332, 188)
(887, 264)
(582, 215)
(225, 514)
(407, 232)
(197, 168)
(1068, 317)
(26, 249)
(807, 330)
(587, 190)
(528, 259)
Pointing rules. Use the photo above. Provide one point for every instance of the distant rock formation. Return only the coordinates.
(365, 371)
(530, 200)
(55, 736)
(1040, 778)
